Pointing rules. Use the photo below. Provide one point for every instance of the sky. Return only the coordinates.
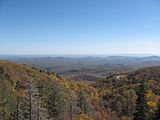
(79, 27)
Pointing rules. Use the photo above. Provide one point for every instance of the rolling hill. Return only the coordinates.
(87, 68)
(33, 93)
(120, 91)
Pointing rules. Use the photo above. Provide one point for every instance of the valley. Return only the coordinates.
(87, 68)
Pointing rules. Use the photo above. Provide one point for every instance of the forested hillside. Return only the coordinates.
(32, 94)
(28, 93)
(132, 95)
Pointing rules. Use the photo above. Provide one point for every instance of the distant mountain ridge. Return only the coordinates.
(88, 68)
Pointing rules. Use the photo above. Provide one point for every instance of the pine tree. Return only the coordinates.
(55, 102)
(17, 87)
(83, 103)
(71, 111)
(141, 103)
(157, 116)
(30, 100)
(5, 95)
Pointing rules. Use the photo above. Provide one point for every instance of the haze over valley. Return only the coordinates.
(89, 68)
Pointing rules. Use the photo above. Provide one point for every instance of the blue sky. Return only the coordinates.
(79, 26)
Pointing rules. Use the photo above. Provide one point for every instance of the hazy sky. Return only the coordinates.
(79, 26)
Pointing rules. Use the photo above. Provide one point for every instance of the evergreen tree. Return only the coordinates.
(6, 98)
(141, 103)
(17, 87)
(55, 102)
(30, 91)
(71, 111)
(83, 102)
(157, 116)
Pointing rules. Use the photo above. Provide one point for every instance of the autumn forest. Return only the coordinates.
(32, 93)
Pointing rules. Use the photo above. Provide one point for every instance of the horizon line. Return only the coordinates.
(85, 55)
